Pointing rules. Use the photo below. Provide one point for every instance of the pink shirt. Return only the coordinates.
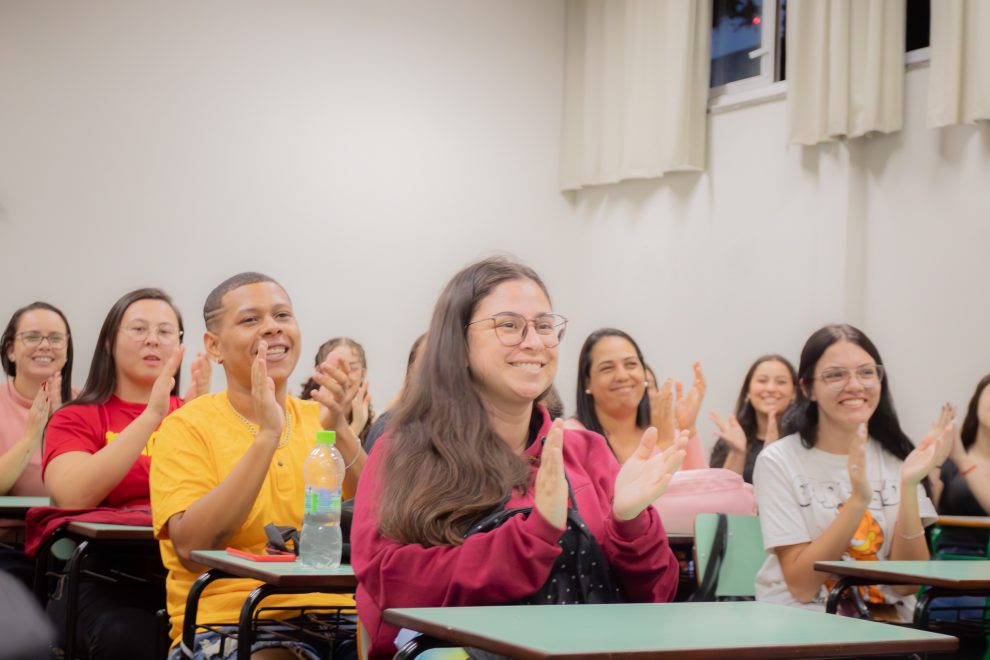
(13, 420)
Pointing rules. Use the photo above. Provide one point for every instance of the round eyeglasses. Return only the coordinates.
(511, 328)
(31, 339)
(166, 332)
(837, 378)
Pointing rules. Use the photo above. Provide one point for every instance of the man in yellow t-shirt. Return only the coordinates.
(232, 462)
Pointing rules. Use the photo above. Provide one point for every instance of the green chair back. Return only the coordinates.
(744, 553)
(935, 535)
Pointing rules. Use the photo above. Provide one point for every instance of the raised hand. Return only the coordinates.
(270, 416)
(729, 432)
(360, 408)
(550, 492)
(773, 434)
(161, 391)
(688, 404)
(54, 386)
(41, 409)
(922, 460)
(946, 421)
(336, 392)
(201, 370)
(662, 412)
(861, 488)
(646, 474)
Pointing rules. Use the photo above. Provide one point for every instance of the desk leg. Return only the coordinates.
(42, 562)
(73, 569)
(924, 601)
(835, 594)
(245, 629)
(418, 645)
(192, 608)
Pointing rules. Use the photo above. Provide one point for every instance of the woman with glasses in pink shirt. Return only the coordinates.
(37, 358)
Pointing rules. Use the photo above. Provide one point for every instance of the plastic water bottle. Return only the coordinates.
(320, 543)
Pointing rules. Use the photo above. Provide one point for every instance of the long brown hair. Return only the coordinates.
(102, 379)
(971, 423)
(745, 412)
(446, 466)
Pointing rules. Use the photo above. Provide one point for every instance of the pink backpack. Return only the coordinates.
(709, 490)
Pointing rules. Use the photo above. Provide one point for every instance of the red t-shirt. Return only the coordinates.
(89, 428)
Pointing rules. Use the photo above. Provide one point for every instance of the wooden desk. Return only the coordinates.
(17, 507)
(977, 522)
(737, 630)
(106, 531)
(946, 578)
(278, 578)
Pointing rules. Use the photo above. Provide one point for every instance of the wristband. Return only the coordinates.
(911, 537)
(969, 469)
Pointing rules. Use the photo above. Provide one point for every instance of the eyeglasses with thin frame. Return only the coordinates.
(32, 339)
(166, 332)
(511, 328)
(837, 378)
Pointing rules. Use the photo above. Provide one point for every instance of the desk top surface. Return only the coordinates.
(16, 506)
(980, 522)
(950, 574)
(281, 574)
(734, 630)
(93, 530)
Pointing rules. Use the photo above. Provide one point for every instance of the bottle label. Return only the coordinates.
(322, 501)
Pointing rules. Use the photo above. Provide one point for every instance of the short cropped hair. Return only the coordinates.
(214, 302)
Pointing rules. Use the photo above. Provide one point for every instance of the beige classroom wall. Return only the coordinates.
(362, 152)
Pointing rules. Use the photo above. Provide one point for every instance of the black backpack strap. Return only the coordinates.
(709, 581)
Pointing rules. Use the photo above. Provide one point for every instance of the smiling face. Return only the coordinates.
(854, 404)
(771, 388)
(252, 313)
(510, 376)
(38, 362)
(140, 361)
(616, 377)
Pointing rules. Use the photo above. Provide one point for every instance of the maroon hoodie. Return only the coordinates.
(512, 561)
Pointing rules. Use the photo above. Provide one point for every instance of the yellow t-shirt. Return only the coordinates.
(197, 447)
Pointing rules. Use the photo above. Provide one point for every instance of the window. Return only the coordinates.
(919, 18)
(747, 43)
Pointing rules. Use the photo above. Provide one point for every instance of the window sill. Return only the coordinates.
(726, 102)
(916, 59)
(744, 99)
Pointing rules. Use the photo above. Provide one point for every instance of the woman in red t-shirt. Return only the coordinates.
(98, 452)
(98, 447)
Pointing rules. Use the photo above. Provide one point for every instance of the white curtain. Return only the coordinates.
(636, 89)
(959, 75)
(845, 68)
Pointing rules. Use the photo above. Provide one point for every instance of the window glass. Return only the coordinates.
(918, 24)
(736, 31)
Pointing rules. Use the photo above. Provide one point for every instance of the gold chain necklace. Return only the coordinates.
(286, 432)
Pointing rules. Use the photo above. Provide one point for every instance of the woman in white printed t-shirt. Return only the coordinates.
(829, 491)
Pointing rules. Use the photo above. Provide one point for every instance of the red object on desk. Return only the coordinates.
(254, 557)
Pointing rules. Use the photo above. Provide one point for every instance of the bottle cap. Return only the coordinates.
(326, 437)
